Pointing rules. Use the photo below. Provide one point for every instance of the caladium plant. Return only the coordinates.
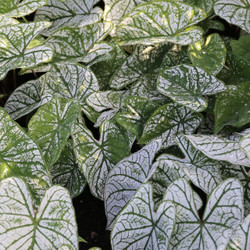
(167, 85)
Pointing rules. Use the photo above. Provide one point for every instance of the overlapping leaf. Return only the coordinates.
(52, 125)
(146, 228)
(245, 145)
(241, 47)
(186, 85)
(206, 5)
(5, 20)
(71, 13)
(22, 227)
(161, 21)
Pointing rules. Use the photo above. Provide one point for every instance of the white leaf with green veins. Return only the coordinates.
(186, 85)
(236, 12)
(223, 213)
(126, 177)
(5, 20)
(52, 125)
(22, 227)
(21, 157)
(161, 21)
(24, 99)
(139, 226)
(15, 53)
(245, 145)
(70, 13)
(219, 148)
(15, 8)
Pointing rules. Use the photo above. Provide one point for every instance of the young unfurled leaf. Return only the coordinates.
(126, 177)
(210, 55)
(22, 227)
(241, 47)
(70, 13)
(147, 228)
(232, 106)
(161, 21)
(223, 213)
(21, 157)
(52, 125)
(15, 53)
(187, 85)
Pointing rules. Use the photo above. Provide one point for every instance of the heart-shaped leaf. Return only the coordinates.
(210, 55)
(138, 226)
(22, 227)
(223, 213)
(21, 157)
(241, 47)
(161, 21)
(70, 13)
(52, 125)
(15, 53)
(186, 85)
(234, 11)
(126, 177)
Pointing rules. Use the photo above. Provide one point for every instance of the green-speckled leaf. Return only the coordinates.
(66, 172)
(210, 55)
(21, 157)
(70, 13)
(24, 99)
(206, 5)
(241, 47)
(139, 226)
(187, 85)
(97, 158)
(161, 21)
(14, 40)
(48, 227)
(245, 144)
(232, 106)
(125, 179)
(52, 125)
(15, 8)
(236, 12)
(223, 213)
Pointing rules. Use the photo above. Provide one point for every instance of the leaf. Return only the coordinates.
(186, 85)
(241, 47)
(70, 13)
(22, 227)
(212, 24)
(210, 55)
(126, 177)
(219, 148)
(5, 20)
(15, 53)
(21, 157)
(15, 8)
(66, 172)
(97, 158)
(234, 11)
(223, 213)
(240, 238)
(232, 107)
(245, 145)
(167, 121)
(161, 21)
(205, 5)
(52, 125)
(146, 228)
(24, 99)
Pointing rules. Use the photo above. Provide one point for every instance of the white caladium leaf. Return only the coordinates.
(245, 144)
(70, 13)
(223, 213)
(66, 172)
(24, 99)
(52, 125)
(15, 8)
(22, 227)
(219, 148)
(139, 226)
(161, 21)
(169, 120)
(16, 39)
(5, 20)
(234, 11)
(240, 238)
(97, 158)
(186, 85)
(126, 177)
(21, 157)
